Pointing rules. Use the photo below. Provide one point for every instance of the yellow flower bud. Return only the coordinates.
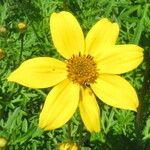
(2, 29)
(3, 142)
(1, 53)
(22, 26)
(68, 146)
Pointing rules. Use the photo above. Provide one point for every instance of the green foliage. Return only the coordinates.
(146, 131)
(20, 106)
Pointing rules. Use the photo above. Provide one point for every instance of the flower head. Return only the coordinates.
(68, 146)
(92, 69)
(22, 26)
(2, 29)
(3, 142)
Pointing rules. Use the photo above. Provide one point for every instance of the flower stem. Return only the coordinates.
(21, 47)
(69, 130)
(81, 134)
(142, 103)
(65, 4)
(142, 95)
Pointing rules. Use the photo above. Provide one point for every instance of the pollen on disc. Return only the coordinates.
(82, 69)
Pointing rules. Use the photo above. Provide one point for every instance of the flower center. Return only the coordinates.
(82, 69)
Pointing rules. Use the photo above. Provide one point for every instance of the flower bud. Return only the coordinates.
(22, 26)
(1, 53)
(2, 29)
(3, 142)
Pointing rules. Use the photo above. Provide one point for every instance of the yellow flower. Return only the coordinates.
(22, 26)
(3, 142)
(2, 29)
(68, 146)
(91, 68)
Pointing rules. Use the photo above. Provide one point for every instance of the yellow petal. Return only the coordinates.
(116, 91)
(102, 34)
(60, 105)
(89, 110)
(67, 34)
(68, 146)
(120, 59)
(40, 72)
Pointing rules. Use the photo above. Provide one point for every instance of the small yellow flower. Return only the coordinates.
(1, 53)
(68, 146)
(3, 142)
(22, 26)
(2, 29)
(92, 68)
